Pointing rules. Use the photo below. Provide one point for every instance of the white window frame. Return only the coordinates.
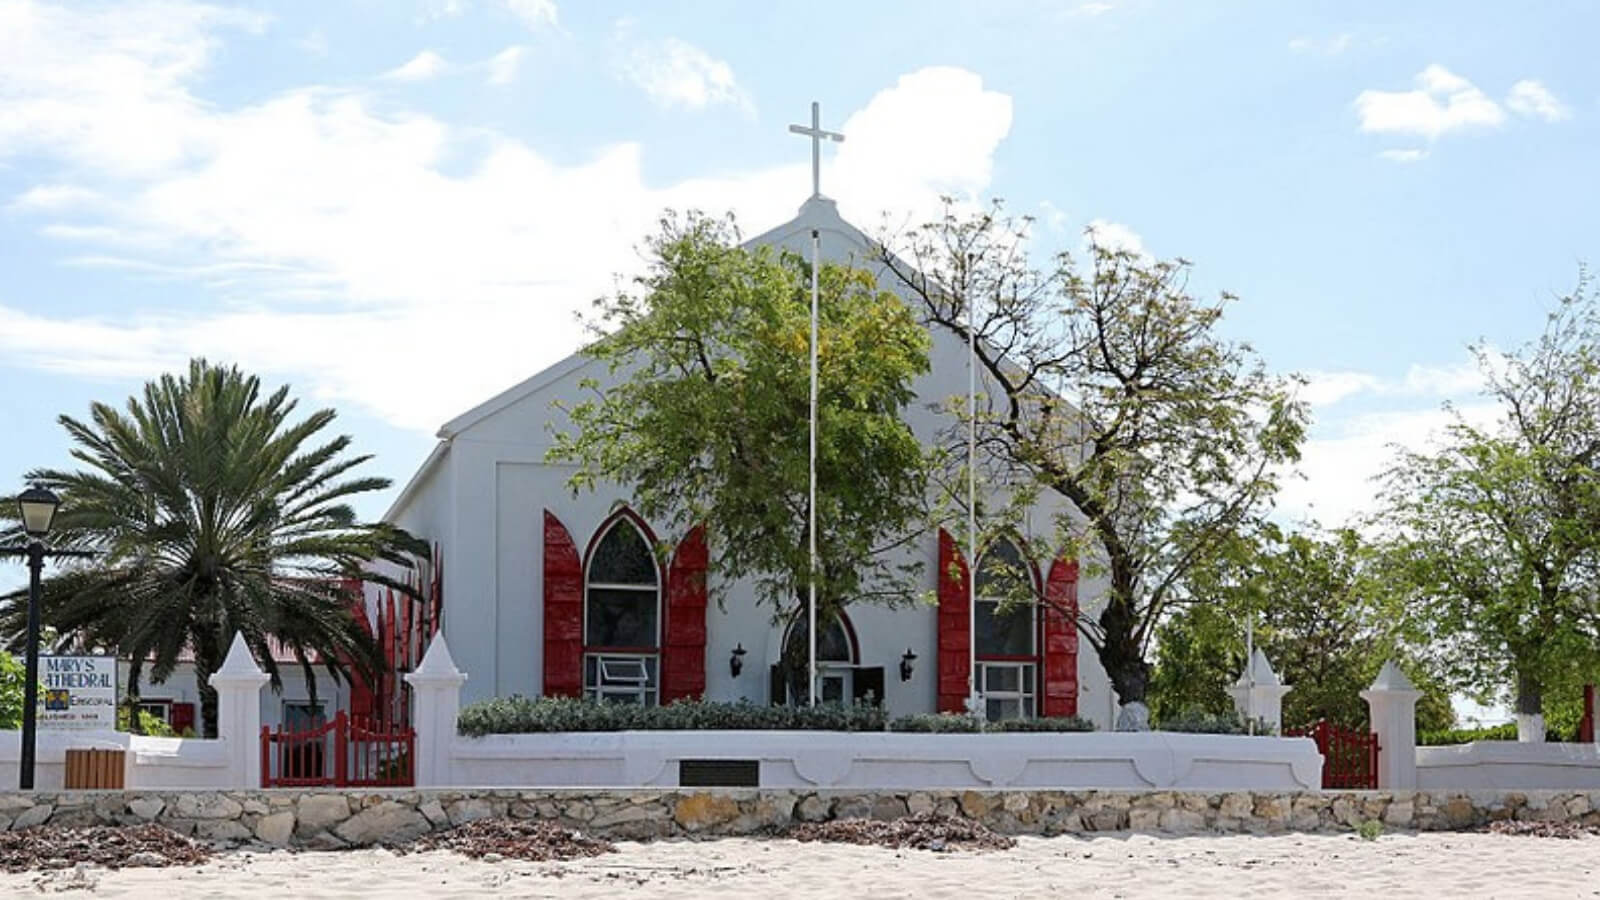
(611, 586)
(161, 709)
(606, 686)
(1025, 696)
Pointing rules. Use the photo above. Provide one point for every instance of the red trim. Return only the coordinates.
(563, 611)
(683, 643)
(1060, 689)
(954, 626)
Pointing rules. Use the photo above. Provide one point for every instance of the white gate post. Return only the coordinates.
(238, 686)
(1393, 702)
(436, 688)
(1258, 694)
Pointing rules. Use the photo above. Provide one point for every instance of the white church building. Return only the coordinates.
(547, 593)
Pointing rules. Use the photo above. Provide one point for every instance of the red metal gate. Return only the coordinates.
(1349, 757)
(346, 752)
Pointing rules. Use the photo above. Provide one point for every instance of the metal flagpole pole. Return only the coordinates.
(817, 135)
(972, 506)
(811, 582)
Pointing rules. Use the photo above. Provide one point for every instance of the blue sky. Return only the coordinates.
(397, 206)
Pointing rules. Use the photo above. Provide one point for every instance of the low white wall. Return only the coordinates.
(150, 762)
(1509, 764)
(811, 759)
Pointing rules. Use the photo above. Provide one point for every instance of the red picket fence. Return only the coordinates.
(1349, 757)
(346, 752)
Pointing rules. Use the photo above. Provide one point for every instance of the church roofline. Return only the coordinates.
(435, 457)
(820, 213)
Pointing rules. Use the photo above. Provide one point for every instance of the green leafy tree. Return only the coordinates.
(707, 420)
(210, 510)
(1107, 384)
(1321, 617)
(13, 682)
(1494, 536)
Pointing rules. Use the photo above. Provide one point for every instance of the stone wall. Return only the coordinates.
(328, 819)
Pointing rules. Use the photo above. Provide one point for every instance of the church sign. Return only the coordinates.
(77, 693)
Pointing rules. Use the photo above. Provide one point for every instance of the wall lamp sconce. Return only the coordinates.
(736, 661)
(905, 664)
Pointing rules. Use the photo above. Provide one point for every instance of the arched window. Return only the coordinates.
(622, 616)
(836, 657)
(1007, 642)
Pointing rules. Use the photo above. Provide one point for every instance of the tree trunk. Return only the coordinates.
(207, 660)
(1530, 705)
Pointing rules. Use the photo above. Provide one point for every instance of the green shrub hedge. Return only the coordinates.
(1194, 721)
(1506, 732)
(956, 723)
(524, 715)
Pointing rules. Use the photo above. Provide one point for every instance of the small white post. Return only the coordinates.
(1393, 702)
(238, 685)
(436, 688)
(1258, 694)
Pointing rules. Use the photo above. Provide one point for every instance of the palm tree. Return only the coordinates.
(210, 513)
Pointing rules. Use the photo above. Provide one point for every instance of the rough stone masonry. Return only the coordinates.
(334, 819)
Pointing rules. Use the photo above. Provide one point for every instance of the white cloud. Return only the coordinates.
(534, 13)
(1440, 382)
(1443, 102)
(314, 43)
(378, 258)
(55, 198)
(1093, 9)
(676, 73)
(423, 66)
(1332, 46)
(503, 66)
(1533, 100)
(1115, 236)
(106, 84)
(1342, 459)
(1406, 155)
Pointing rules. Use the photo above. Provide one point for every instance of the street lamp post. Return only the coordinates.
(36, 506)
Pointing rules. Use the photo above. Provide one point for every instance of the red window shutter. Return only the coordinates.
(955, 627)
(1061, 639)
(182, 717)
(684, 653)
(563, 612)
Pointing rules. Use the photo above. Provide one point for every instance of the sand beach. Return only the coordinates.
(1110, 866)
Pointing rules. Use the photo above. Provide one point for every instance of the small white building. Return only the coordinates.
(547, 593)
(176, 700)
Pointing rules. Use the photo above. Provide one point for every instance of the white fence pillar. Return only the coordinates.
(1258, 694)
(238, 685)
(436, 688)
(1393, 702)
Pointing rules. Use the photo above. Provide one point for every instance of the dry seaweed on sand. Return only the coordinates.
(515, 839)
(54, 847)
(1568, 830)
(925, 831)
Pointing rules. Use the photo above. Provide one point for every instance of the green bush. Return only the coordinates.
(149, 725)
(937, 723)
(1506, 732)
(956, 723)
(524, 715)
(1194, 721)
(1370, 830)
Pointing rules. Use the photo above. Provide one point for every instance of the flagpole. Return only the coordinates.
(817, 135)
(811, 529)
(972, 507)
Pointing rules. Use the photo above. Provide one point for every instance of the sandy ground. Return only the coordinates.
(1427, 865)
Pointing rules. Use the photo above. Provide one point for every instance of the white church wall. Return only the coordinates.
(182, 686)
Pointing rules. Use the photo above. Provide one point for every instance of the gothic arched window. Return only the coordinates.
(622, 616)
(1006, 641)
